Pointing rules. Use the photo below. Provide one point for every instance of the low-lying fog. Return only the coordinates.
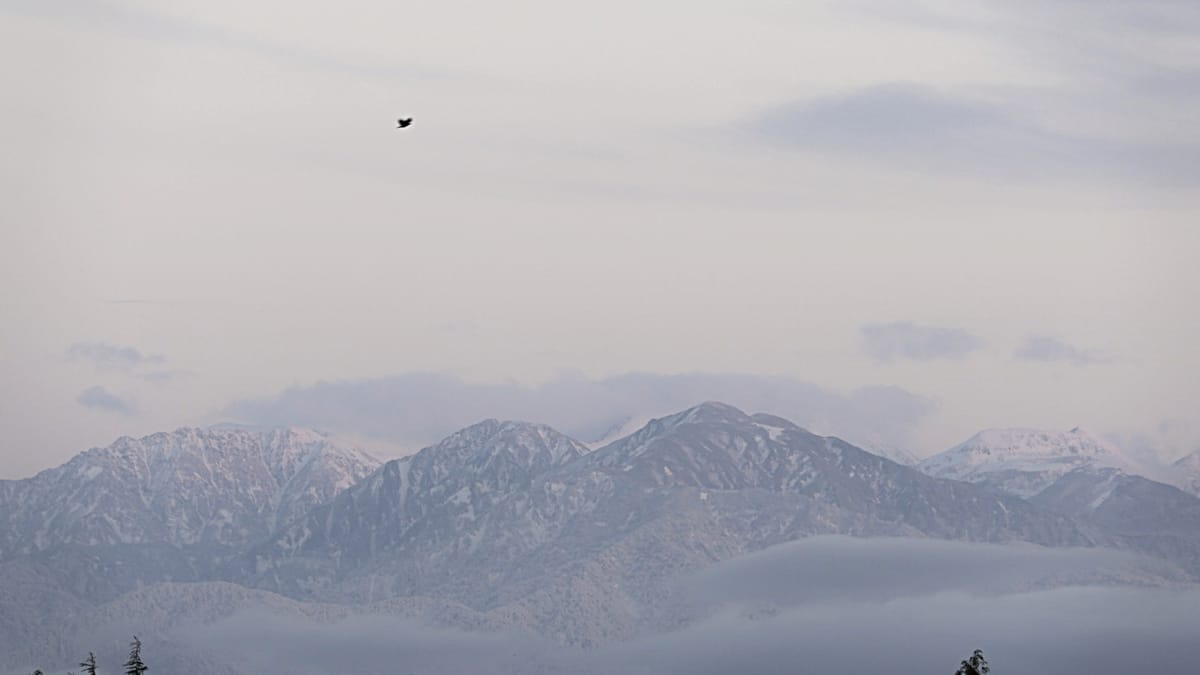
(819, 605)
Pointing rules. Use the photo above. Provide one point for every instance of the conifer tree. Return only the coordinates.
(975, 665)
(89, 664)
(134, 665)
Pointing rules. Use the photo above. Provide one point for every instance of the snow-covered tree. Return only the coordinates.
(89, 664)
(975, 665)
(134, 665)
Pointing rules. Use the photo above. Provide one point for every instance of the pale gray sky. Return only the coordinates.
(988, 205)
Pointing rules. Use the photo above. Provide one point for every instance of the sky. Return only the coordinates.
(900, 222)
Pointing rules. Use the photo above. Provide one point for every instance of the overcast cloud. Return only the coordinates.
(418, 409)
(574, 197)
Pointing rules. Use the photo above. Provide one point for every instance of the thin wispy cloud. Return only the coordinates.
(146, 23)
(1161, 444)
(920, 128)
(101, 399)
(881, 119)
(905, 340)
(109, 356)
(123, 359)
(1048, 349)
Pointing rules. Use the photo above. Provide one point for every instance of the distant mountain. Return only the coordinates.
(1140, 514)
(217, 488)
(1187, 473)
(515, 517)
(424, 506)
(1076, 474)
(506, 525)
(1024, 462)
(1129, 505)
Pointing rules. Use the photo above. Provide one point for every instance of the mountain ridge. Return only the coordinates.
(191, 486)
(505, 523)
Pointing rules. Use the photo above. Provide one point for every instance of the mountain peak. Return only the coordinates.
(529, 443)
(1043, 442)
(710, 445)
(709, 412)
(1025, 461)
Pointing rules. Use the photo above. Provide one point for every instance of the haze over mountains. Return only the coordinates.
(514, 529)
(1187, 472)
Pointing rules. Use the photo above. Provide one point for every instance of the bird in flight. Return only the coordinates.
(401, 123)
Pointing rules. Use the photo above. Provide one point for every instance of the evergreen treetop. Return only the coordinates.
(975, 665)
(89, 664)
(134, 665)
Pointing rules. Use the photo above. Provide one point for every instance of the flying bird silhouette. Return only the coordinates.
(401, 123)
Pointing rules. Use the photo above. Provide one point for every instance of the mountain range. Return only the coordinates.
(505, 524)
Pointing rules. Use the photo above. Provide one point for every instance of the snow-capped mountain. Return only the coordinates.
(502, 525)
(1187, 473)
(157, 507)
(417, 504)
(512, 517)
(1024, 462)
(1081, 476)
(191, 487)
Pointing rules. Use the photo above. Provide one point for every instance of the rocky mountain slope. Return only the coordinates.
(1135, 512)
(188, 489)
